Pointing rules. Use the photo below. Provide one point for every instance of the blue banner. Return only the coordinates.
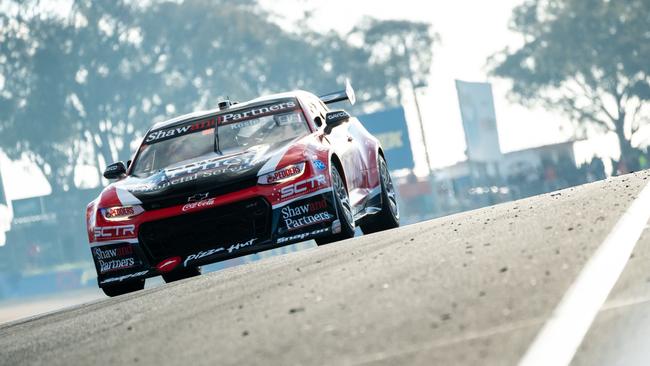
(389, 126)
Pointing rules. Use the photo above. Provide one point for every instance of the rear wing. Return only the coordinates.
(347, 94)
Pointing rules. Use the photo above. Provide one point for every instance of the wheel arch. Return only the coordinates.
(336, 162)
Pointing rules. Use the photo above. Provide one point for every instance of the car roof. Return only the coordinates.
(238, 106)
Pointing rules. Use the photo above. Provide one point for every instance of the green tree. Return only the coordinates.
(85, 87)
(585, 58)
(402, 48)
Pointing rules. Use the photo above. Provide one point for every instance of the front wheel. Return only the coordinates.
(343, 210)
(123, 288)
(388, 217)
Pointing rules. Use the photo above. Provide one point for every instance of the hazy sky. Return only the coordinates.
(470, 30)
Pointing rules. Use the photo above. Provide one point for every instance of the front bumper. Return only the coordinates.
(215, 234)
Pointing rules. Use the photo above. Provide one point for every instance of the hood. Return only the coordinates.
(210, 176)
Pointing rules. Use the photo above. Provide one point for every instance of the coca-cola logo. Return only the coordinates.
(196, 205)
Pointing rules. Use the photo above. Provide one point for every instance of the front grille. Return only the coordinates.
(179, 196)
(224, 225)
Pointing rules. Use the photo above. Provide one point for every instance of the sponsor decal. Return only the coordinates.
(244, 124)
(207, 253)
(112, 232)
(113, 252)
(293, 224)
(192, 172)
(332, 116)
(302, 236)
(238, 246)
(168, 264)
(284, 174)
(302, 186)
(305, 214)
(116, 264)
(198, 197)
(179, 130)
(114, 258)
(125, 277)
(319, 165)
(256, 112)
(121, 213)
(175, 131)
(196, 205)
(202, 254)
(206, 167)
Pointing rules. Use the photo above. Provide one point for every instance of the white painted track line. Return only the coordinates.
(559, 339)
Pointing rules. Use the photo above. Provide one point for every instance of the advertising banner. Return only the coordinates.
(479, 121)
(389, 126)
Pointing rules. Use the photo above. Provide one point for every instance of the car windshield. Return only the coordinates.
(183, 144)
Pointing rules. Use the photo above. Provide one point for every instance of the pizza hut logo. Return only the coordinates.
(213, 251)
(168, 264)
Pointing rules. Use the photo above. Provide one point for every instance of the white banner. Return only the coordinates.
(479, 121)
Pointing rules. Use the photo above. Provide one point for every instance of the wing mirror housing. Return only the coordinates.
(115, 170)
(335, 118)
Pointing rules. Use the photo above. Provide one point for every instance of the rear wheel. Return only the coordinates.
(181, 274)
(123, 288)
(343, 209)
(388, 217)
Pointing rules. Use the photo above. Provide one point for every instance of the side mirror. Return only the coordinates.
(335, 118)
(115, 170)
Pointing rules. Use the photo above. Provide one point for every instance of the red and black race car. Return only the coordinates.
(240, 179)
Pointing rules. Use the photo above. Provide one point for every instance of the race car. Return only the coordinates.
(236, 180)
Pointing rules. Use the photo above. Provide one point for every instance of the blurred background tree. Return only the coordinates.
(80, 89)
(402, 48)
(586, 58)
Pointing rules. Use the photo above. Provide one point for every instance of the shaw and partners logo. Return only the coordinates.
(180, 130)
(304, 215)
(212, 121)
(255, 112)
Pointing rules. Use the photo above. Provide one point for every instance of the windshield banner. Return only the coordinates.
(274, 107)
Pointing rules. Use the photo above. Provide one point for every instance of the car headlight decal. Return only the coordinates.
(285, 174)
(119, 213)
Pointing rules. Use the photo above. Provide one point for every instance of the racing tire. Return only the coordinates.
(343, 210)
(123, 288)
(388, 217)
(181, 274)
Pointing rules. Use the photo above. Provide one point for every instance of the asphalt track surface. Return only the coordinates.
(468, 289)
